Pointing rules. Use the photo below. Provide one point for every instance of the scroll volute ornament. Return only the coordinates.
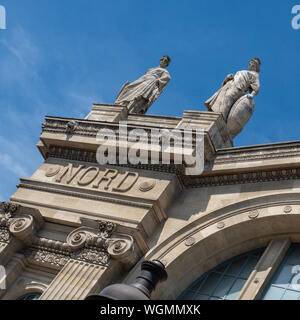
(122, 249)
(80, 238)
(23, 228)
(119, 247)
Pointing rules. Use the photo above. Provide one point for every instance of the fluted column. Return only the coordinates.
(96, 258)
(76, 280)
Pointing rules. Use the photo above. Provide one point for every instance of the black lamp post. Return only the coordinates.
(151, 273)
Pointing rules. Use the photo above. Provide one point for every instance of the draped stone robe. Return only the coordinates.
(232, 90)
(139, 95)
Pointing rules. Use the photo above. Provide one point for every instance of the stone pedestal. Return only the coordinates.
(211, 122)
(107, 112)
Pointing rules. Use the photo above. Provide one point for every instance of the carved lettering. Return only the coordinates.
(123, 186)
(71, 175)
(110, 179)
(106, 178)
(88, 181)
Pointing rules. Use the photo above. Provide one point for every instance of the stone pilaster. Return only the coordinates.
(93, 258)
(75, 281)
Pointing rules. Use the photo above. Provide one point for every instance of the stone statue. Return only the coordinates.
(232, 101)
(139, 95)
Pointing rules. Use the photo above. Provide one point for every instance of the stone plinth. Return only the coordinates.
(107, 112)
(211, 122)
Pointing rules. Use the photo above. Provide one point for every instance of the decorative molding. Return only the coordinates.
(190, 241)
(71, 126)
(46, 257)
(258, 153)
(26, 183)
(193, 181)
(90, 156)
(90, 128)
(253, 214)
(9, 208)
(94, 246)
(147, 185)
(52, 171)
(287, 209)
(94, 256)
(4, 235)
(220, 225)
(241, 178)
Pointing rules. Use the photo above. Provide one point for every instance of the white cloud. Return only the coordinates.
(17, 156)
(22, 47)
(82, 103)
(12, 165)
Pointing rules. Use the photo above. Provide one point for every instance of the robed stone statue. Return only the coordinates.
(232, 101)
(139, 95)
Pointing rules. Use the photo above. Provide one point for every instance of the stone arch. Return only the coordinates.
(25, 287)
(222, 234)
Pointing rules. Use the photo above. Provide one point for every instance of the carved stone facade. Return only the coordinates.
(76, 226)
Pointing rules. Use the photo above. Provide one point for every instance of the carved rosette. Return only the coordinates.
(4, 235)
(7, 211)
(106, 228)
(9, 207)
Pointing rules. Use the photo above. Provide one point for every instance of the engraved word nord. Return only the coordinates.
(93, 177)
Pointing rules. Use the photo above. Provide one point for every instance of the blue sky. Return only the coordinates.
(57, 57)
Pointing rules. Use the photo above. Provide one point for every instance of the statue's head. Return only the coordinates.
(254, 64)
(164, 61)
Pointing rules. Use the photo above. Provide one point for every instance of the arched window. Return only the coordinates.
(30, 296)
(225, 281)
(285, 284)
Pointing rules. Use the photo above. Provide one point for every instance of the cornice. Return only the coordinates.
(258, 153)
(242, 177)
